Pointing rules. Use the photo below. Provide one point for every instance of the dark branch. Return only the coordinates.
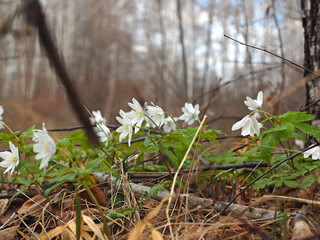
(36, 17)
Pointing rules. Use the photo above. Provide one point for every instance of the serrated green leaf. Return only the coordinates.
(277, 128)
(308, 129)
(267, 146)
(149, 168)
(6, 137)
(180, 150)
(224, 158)
(308, 181)
(28, 133)
(296, 117)
(151, 149)
(170, 157)
(291, 183)
(262, 183)
(94, 163)
(64, 143)
(285, 134)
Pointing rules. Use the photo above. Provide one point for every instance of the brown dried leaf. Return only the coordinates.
(301, 230)
(9, 233)
(33, 206)
(137, 232)
(155, 235)
(97, 192)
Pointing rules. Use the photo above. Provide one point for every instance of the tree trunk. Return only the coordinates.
(311, 25)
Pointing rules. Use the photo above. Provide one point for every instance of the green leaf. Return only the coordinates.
(308, 181)
(277, 128)
(64, 143)
(284, 131)
(291, 183)
(267, 146)
(151, 149)
(6, 137)
(296, 117)
(285, 134)
(308, 129)
(48, 190)
(94, 163)
(113, 214)
(260, 184)
(170, 157)
(180, 150)
(28, 133)
(211, 135)
(224, 158)
(149, 168)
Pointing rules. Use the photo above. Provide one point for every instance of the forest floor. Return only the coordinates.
(195, 211)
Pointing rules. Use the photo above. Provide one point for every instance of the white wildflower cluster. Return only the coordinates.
(131, 122)
(44, 148)
(249, 124)
(153, 116)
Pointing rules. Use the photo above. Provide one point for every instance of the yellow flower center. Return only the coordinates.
(13, 158)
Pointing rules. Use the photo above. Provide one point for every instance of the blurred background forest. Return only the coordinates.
(165, 51)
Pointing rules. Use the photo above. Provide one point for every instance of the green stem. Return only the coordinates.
(155, 125)
(70, 159)
(93, 198)
(146, 134)
(173, 119)
(7, 127)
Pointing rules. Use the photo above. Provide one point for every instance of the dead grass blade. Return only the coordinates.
(178, 170)
(137, 232)
(94, 227)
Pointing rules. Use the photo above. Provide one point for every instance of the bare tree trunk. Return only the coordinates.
(190, 43)
(311, 25)
(184, 57)
(204, 83)
(248, 53)
(163, 55)
(283, 78)
(112, 78)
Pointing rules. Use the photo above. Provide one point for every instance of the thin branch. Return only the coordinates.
(207, 168)
(274, 54)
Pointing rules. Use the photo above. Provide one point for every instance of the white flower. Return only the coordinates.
(190, 113)
(315, 152)
(44, 146)
(138, 116)
(250, 126)
(169, 125)
(1, 122)
(11, 159)
(254, 104)
(97, 118)
(101, 129)
(126, 128)
(156, 113)
(103, 133)
(300, 143)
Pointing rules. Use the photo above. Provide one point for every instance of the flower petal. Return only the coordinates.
(260, 98)
(239, 124)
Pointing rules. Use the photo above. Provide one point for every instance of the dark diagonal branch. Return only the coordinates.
(36, 17)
